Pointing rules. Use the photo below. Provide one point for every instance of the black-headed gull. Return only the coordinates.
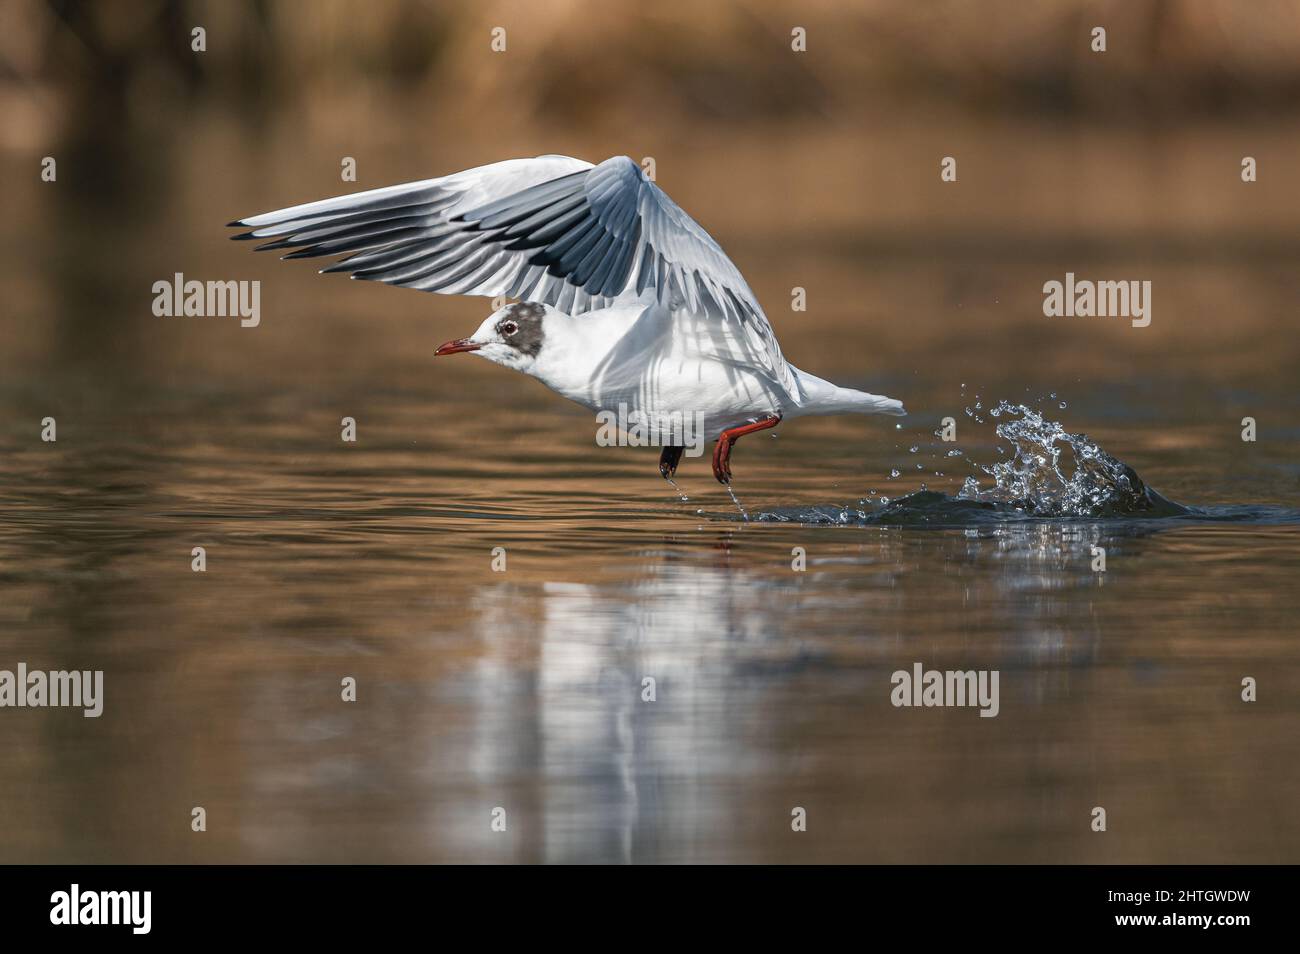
(624, 302)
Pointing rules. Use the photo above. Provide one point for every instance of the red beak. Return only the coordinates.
(454, 347)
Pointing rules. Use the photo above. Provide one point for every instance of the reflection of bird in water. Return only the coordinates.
(626, 305)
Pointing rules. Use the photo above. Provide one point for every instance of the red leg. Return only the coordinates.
(722, 450)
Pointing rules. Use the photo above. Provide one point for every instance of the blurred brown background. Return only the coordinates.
(817, 169)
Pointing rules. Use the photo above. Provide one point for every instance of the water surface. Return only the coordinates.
(522, 689)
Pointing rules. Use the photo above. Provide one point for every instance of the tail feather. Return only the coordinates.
(822, 397)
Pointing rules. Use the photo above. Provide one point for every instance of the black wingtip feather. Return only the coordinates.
(272, 246)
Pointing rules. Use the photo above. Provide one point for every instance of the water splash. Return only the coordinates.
(1053, 473)
(1046, 473)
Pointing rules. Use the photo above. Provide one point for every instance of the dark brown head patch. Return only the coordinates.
(521, 327)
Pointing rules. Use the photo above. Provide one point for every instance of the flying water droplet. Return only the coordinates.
(736, 501)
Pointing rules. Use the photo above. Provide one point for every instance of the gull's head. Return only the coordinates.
(512, 336)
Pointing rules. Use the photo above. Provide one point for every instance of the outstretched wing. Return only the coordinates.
(551, 229)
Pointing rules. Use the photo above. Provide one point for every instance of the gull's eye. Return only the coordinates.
(508, 328)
